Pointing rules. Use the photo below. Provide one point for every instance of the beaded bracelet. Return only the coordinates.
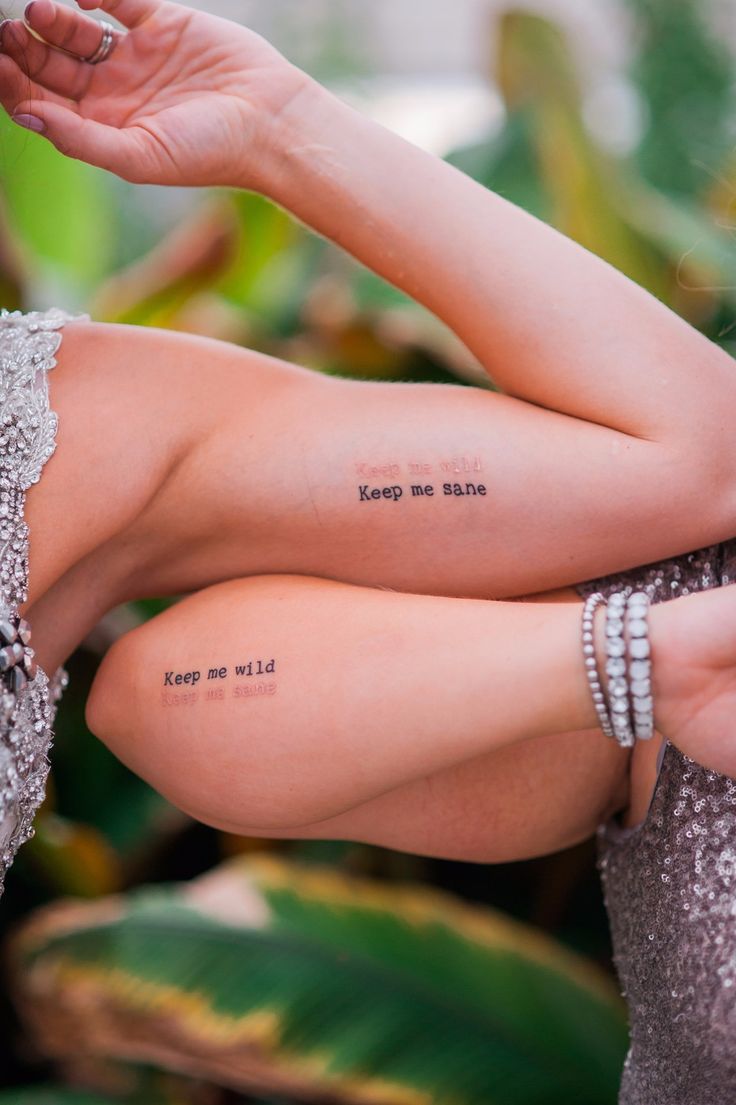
(628, 666)
(617, 669)
(591, 664)
(640, 665)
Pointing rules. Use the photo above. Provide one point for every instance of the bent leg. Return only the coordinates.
(279, 702)
(515, 803)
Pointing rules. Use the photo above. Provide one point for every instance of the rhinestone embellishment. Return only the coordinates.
(28, 698)
(670, 891)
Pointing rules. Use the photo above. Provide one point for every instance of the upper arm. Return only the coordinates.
(241, 464)
(428, 488)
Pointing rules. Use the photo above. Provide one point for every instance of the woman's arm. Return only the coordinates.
(261, 467)
(551, 322)
(521, 801)
(637, 462)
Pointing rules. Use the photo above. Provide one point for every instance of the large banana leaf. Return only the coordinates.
(179, 1093)
(276, 977)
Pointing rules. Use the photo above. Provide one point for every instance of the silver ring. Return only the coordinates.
(106, 44)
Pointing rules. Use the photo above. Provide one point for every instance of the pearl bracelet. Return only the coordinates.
(591, 665)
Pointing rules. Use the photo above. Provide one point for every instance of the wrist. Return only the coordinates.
(286, 130)
(618, 659)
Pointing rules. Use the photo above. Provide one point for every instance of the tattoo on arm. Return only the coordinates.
(421, 480)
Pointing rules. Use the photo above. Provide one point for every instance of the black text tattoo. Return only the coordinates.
(219, 683)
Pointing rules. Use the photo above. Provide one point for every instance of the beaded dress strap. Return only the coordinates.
(28, 698)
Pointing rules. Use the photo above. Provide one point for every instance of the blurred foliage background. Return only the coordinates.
(151, 960)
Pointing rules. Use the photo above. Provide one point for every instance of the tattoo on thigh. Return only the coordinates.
(246, 681)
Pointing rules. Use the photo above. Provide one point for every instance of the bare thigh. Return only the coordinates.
(247, 748)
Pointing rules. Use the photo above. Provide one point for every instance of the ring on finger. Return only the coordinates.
(106, 44)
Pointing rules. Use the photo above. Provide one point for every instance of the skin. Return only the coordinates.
(600, 411)
(359, 693)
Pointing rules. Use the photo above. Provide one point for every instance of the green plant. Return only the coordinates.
(268, 976)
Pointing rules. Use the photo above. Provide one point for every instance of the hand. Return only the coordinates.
(184, 98)
(694, 676)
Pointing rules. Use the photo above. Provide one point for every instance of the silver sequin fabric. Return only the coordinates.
(28, 427)
(670, 891)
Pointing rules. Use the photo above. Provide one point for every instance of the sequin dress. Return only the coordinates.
(670, 891)
(28, 697)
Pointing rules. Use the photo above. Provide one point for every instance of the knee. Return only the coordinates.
(110, 710)
(226, 761)
(121, 712)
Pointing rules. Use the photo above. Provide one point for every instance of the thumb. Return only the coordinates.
(75, 136)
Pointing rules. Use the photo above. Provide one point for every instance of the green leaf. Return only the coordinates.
(59, 208)
(73, 858)
(265, 975)
(699, 249)
(53, 1095)
(685, 75)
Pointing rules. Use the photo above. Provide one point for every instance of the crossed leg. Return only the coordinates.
(284, 706)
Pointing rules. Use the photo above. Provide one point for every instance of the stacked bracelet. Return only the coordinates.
(627, 714)
(617, 670)
(591, 665)
(640, 665)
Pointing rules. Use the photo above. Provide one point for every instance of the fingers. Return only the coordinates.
(131, 13)
(16, 87)
(84, 139)
(63, 27)
(49, 68)
(58, 120)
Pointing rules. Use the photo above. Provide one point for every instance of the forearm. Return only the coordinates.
(362, 691)
(550, 321)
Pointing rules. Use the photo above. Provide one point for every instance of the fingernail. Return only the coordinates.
(8, 27)
(27, 10)
(30, 122)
